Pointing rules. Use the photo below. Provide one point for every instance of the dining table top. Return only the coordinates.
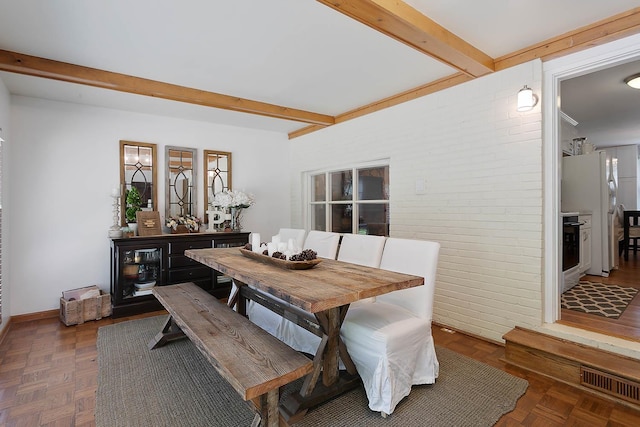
(329, 284)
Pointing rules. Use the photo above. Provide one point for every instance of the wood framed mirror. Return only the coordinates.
(181, 188)
(138, 169)
(217, 177)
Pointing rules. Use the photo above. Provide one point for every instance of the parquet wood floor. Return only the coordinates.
(48, 377)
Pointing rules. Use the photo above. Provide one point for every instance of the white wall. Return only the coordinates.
(482, 164)
(4, 124)
(60, 208)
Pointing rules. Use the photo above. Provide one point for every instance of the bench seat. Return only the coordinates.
(255, 363)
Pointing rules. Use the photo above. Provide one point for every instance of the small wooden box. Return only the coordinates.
(76, 312)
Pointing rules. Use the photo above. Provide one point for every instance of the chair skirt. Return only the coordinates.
(392, 349)
(288, 332)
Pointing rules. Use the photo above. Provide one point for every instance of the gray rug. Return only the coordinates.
(175, 386)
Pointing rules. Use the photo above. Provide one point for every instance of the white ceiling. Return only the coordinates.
(606, 109)
(295, 53)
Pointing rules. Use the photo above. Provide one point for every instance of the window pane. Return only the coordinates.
(342, 185)
(374, 219)
(341, 218)
(319, 188)
(373, 183)
(318, 217)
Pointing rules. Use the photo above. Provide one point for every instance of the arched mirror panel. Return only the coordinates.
(181, 181)
(217, 166)
(138, 170)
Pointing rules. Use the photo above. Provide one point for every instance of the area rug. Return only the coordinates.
(174, 386)
(597, 298)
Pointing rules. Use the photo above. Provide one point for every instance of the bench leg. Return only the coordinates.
(170, 332)
(269, 415)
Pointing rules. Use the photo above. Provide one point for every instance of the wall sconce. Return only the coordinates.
(526, 99)
(633, 81)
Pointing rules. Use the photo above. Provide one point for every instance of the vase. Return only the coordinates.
(236, 214)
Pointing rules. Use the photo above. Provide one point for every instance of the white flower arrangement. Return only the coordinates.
(233, 199)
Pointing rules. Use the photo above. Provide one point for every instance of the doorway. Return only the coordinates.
(555, 72)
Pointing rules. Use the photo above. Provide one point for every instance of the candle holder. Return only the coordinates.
(115, 232)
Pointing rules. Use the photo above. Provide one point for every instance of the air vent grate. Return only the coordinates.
(610, 384)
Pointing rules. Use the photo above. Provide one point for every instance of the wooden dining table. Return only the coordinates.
(316, 299)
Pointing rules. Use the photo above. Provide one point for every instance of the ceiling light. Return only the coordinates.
(526, 99)
(633, 81)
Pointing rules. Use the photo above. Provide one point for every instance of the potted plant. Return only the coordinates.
(133, 205)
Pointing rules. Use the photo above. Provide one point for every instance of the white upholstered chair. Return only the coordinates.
(326, 246)
(325, 243)
(390, 340)
(354, 248)
(297, 234)
(361, 249)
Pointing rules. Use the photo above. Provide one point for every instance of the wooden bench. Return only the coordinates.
(254, 362)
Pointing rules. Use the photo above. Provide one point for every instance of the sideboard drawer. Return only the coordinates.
(177, 261)
(188, 274)
(181, 246)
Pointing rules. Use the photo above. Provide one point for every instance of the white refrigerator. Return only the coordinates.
(589, 186)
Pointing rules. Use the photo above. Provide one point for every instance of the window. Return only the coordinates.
(335, 206)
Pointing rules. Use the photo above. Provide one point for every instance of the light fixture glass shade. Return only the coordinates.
(526, 99)
(633, 81)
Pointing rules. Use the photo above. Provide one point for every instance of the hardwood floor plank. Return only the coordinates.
(628, 325)
(55, 384)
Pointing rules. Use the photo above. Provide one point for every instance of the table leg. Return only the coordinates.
(326, 361)
(236, 299)
(330, 367)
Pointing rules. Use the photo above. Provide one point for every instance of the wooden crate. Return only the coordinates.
(77, 312)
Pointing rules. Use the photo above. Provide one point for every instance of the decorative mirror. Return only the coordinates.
(138, 170)
(181, 181)
(217, 165)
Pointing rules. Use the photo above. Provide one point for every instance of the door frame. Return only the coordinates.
(554, 72)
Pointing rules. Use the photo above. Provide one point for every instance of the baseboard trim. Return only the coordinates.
(5, 330)
(469, 334)
(21, 318)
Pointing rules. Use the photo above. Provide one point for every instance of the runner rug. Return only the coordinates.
(597, 298)
(175, 385)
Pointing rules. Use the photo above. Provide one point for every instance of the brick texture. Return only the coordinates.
(481, 162)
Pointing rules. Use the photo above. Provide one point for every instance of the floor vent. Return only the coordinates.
(610, 384)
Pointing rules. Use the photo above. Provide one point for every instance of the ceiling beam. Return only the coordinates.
(402, 22)
(612, 28)
(426, 89)
(50, 69)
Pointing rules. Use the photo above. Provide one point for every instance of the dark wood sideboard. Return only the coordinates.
(139, 263)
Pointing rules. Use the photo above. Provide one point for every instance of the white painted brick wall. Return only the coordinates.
(482, 164)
